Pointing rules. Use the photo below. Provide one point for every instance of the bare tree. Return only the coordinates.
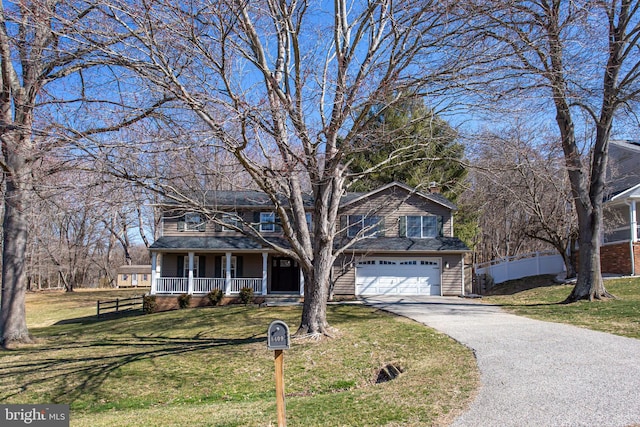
(285, 87)
(525, 184)
(48, 54)
(573, 60)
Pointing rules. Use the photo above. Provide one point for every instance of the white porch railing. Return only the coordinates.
(172, 285)
(519, 266)
(204, 285)
(255, 284)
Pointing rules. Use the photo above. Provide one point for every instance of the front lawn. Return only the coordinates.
(211, 367)
(619, 316)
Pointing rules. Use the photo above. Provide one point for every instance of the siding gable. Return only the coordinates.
(396, 203)
(390, 203)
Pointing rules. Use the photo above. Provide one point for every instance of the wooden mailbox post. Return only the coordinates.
(278, 339)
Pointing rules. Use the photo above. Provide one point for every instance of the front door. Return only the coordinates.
(285, 275)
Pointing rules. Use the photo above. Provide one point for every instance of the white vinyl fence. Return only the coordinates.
(519, 266)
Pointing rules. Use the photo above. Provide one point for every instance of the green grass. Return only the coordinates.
(211, 367)
(47, 308)
(540, 299)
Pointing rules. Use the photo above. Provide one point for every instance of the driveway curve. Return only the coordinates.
(534, 373)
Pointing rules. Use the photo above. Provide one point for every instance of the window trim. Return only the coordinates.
(191, 225)
(231, 219)
(267, 222)
(196, 266)
(407, 230)
(363, 222)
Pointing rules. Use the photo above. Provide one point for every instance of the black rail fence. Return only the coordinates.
(119, 305)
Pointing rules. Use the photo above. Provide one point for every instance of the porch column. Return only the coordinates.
(634, 235)
(301, 283)
(227, 274)
(190, 282)
(265, 256)
(634, 221)
(154, 273)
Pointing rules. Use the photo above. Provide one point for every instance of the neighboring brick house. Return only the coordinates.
(409, 248)
(620, 251)
(134, 276)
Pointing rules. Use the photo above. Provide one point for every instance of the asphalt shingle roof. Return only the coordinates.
(406, 244)
(258, 199)
(211, 243)
(379, 244)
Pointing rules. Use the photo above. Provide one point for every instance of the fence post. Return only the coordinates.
(117, 304)
(98, 315)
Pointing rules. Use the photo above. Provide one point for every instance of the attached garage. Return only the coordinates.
(398, 276)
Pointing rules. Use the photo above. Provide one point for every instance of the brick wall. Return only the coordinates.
(170, 302)
(615, 258)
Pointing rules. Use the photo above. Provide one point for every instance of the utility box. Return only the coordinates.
(278, 337)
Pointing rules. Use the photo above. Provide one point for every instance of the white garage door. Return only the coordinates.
(415, 276)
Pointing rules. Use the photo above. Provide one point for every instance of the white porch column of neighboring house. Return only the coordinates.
(634, 234)
(265, 256)
(633, 213)
(154, 273)
(227, 274)
(190, 282)
(301, 283)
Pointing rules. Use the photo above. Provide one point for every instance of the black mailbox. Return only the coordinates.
(278, 336)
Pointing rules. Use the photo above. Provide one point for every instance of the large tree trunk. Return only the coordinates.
(589, 285)
(314, 312)
(317, 274)
(13, 323)
(316, 284)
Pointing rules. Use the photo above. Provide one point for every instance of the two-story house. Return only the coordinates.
(620, 252)
(396, 241)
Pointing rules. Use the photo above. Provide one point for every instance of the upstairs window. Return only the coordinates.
(192, 221)
(421, 227)
(267, 221)
(232, 221)
(357, 223)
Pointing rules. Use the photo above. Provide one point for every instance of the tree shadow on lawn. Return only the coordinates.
(69, 378)
(86, 320)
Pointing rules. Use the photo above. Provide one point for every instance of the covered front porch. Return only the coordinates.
(621, 217)
(198, 273)
(620, 251)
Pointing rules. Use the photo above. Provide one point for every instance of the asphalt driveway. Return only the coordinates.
(534, 373)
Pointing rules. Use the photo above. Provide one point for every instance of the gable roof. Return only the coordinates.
(134, 268)
(258, 199)
(629, 193)
(434, 197)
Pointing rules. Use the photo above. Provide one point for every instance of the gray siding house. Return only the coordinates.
(620, 251)
(398, 242)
